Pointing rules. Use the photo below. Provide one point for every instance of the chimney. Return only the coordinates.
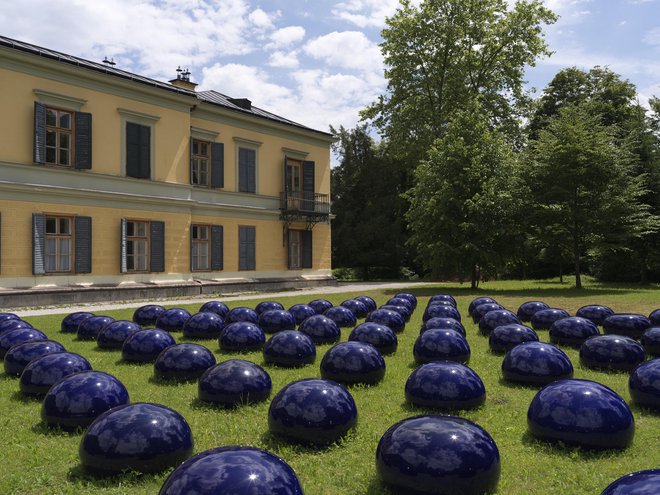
(243, 103)
(182, 80)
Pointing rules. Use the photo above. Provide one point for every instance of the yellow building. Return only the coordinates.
(111, 179)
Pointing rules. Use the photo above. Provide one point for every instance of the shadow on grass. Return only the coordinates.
(377, 487)
(171, 382)
(559, 448)
(42, 428)
(79, 474)
(6, 377)
(276, 444)
(19, 396)
(104, 350)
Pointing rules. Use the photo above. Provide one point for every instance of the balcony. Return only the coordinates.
(304, 206)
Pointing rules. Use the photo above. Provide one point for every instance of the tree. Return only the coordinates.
(583, 185)
(464, 199)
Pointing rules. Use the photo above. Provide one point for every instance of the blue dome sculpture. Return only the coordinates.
(595, 313)
(440, 302)
(321, 329)
(443, 297)
(147, 315)
(183, 362)
(301, 312)
(312, 411)
(289, 348)
(440, 454)
(8, 316)
(544, 318)
(479, 311)
(235, 382)
(18, 336)
(536, 363)
(651, 341)
(380, 336)
(141, 437)
(320, 305)
(496, 318)
(242, 336)
(639, 483)
(439, 322)
(644, 384)
(581, 412)
(506, 337)
(478, 302)
(276, 320)
(407, 295)
(389, 318)
(400, 301)
(402, 310)
(217, 307)
(77, 399)
(368, 302)
(442, 312)
(527, 309)
(630, 325)
(654, 317)
(43, 372)
(241, 313)
(233, 470)
(445, 385)
(206, 325)
(113, 335)
(358, 308)
(611, 352)
(71, 321)
(90, 328)
(353, 362)
(144, 345)
(441, 345)
(267, 306)
(18, 356)
(572, 331)
(173, 319)
(343, 317)
(13, 324)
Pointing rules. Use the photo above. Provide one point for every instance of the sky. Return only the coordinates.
(316, 62)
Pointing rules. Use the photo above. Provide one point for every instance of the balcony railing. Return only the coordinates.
(305, 203)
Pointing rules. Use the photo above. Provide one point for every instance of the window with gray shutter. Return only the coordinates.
(83, 245)
(217, 247)
(217, 165)
(308, 185)
(39, 155)
(157, 246)
(83, 139)
(306, 241)
(123, 265)
(38, 243)
(246, 248)
(138, 150)
(247, 170)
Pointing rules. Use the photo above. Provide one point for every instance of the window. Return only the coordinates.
(142, 246)
(138, 150)
(137, 242)
(246, 248)
(57, 255)
(199, 166)
(200, 249)
(61, 244)
(62, 137)
(247, 169)
(300, 249)
(59, 133)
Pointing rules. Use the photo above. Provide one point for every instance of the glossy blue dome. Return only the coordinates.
(644, 384)
(77, 399)
(443, 297)
(527, 309)
(536, 363)
(241, 313)
(320, 305)
(389, 318)
(380, 336)
(13, 324)
(312, 411)
(233, 470)
(71, 321)
(358, 308)
(478, 302)
(442, 312)
(8, 316)
(445, 385)
(141, 437)
(438, 454)
(242, 336)
(342, 316)
(267, 306)
(41, 373)
(640, 483)
(276, 320)
(369, 302)
(479, 311)
(506, 337)
(289, 348)
(235, 382)
(654, 317)
(113, 335)
(496, 318)
(18, 356)
(321, 329)
(581, 412)
(147, 316)
(301, 312)
(172, 320)
(439, 322)
(440, 302)
(407, 295)
(611, 352)
(205, 325)
(544, 318)
(595, 313)
(651, 341)
(630, 325)
(441, 345)
(400, 301)
(18, 336)
(144, 345)
(402, 310)
(353, 362)
(90, 328)
(217, 307)
(183, 362)
(572, 331)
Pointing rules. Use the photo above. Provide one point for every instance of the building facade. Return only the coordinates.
(108, 178)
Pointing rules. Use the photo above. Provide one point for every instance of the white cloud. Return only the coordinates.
(284, 60)
(287, 36)
(243, 81)
(367, 13)
(652, 37)
(346, 49)
(262, 19)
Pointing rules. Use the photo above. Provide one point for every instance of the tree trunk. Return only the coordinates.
(643, 272)
(578, 278)
(561, 271)
(474, 283)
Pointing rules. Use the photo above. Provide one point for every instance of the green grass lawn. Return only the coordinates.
(36, 460)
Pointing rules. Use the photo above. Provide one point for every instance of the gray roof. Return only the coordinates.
(212, 97)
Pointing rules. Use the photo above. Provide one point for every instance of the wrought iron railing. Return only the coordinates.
(305, 203)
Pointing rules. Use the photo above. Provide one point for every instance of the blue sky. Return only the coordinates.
(316, 62)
